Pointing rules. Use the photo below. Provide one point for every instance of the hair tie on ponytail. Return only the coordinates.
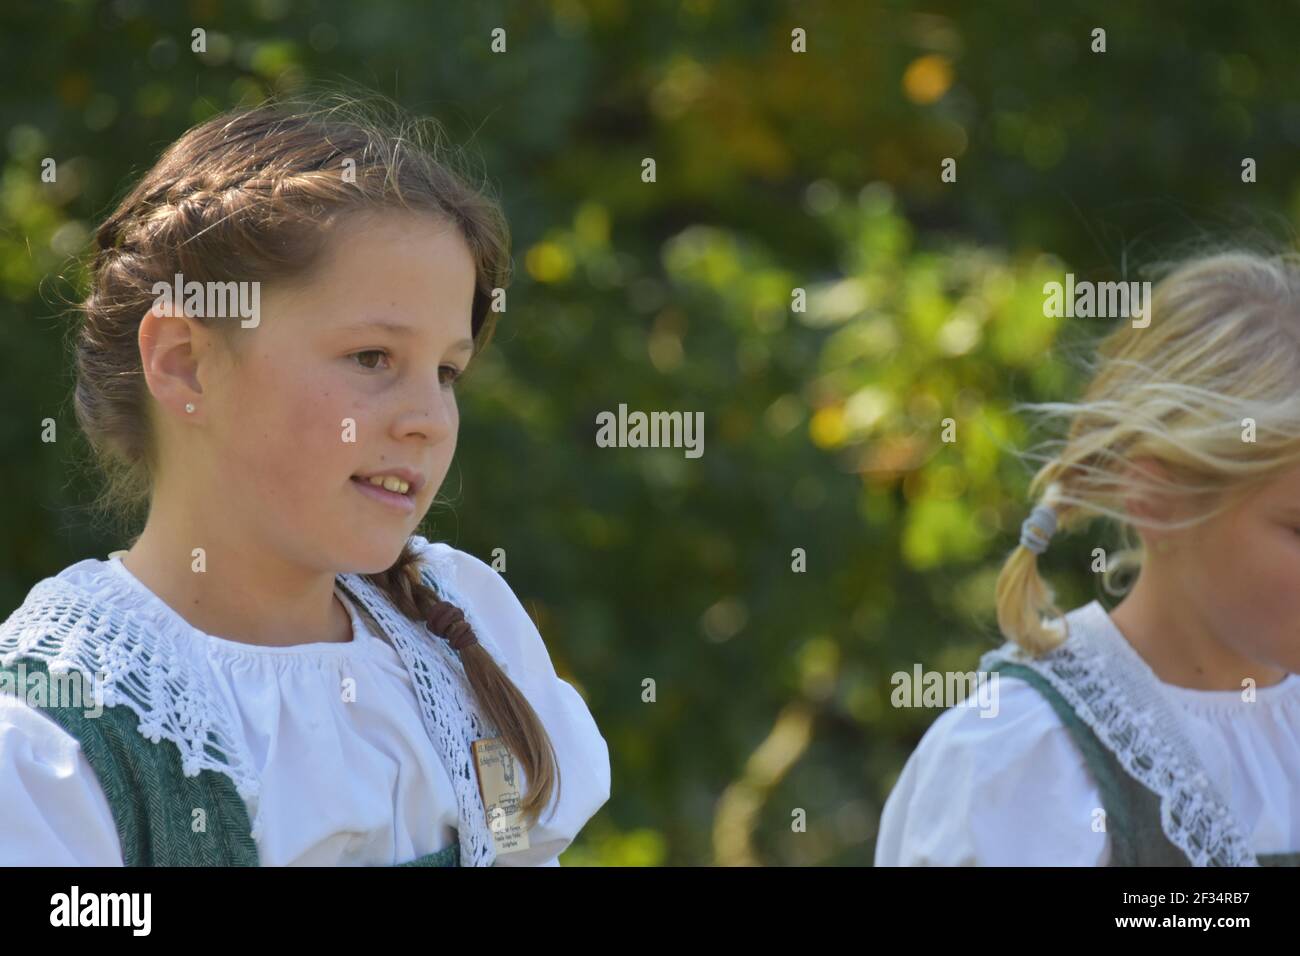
(1038, 528)
(449, 621)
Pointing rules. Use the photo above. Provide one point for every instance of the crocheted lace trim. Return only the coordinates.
(131, 650)
(1114, 692)
(446, 701)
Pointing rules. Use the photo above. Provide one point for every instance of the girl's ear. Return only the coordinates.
(171, 345)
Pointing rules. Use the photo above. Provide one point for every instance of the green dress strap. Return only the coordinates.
(447, 856)
(153, 802)
(1132, 811)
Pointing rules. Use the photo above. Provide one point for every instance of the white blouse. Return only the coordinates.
(355, 783)
(1014, 789)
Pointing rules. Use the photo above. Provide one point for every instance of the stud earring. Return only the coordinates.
(189, 407)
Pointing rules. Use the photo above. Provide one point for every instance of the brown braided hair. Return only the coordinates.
(252, 194)
(503, 704)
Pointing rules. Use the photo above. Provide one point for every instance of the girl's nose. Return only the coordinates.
(430, 417)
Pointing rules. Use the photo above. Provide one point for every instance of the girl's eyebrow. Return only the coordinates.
(396, 328)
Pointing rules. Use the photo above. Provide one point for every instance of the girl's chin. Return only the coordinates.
(375, 553)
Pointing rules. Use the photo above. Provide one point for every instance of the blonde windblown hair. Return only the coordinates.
(1222, 347)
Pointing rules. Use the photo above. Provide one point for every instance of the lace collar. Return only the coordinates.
(134, 650)
(1113, 690)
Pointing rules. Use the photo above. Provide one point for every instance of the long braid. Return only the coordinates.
(502, 702)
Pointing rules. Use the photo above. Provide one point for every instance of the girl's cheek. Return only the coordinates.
(1267, 570)
(1233, 583)
(335, 423)
(309, 429)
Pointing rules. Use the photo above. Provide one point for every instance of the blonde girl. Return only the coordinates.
(288, 673)
(1165, 731)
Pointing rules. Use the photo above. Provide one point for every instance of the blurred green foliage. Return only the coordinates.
(775, 171)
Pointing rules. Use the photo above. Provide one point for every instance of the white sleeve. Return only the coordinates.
(581, 752)
(1010, 789)
(53, 811)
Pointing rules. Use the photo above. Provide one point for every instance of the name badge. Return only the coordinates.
(498, 784)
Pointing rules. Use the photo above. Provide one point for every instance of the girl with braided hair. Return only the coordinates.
(285, 673)
(1166, 731)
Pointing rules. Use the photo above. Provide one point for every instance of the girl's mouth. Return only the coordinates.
(404, 503)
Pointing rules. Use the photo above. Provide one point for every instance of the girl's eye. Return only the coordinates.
(447, 370)
(368, 352)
